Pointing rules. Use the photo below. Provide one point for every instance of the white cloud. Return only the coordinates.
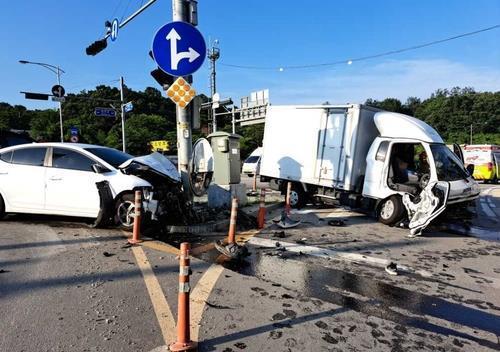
(393, 78)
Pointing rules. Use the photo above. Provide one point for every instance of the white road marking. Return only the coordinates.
(199, 297)
(160, 305)
(333, 254)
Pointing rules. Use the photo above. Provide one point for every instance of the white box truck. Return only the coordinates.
(392, 163)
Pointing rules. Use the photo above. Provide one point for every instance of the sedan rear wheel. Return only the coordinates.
(124, 212)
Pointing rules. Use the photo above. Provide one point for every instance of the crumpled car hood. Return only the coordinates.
(157, 162)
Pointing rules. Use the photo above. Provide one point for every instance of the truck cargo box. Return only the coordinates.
(324, 145)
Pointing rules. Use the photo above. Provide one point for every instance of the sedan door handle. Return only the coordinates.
(53, 178)
(4, 173)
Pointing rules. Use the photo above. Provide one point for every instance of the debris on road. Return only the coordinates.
(336, 222)
(392, 268)
(285, 222)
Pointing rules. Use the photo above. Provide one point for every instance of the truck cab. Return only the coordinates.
(410, 169)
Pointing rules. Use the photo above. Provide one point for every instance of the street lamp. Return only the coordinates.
(57, 70)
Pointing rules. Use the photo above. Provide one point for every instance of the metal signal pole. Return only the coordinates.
(180, 12)
(122, 105)
(213, 55)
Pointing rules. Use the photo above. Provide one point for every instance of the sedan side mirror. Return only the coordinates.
(99, 169)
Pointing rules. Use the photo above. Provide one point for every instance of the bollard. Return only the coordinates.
(261, 216)
(136, 234)
(183, 342)
(232, 222)
(287, 199)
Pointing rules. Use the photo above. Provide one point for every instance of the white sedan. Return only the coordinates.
(63, 179)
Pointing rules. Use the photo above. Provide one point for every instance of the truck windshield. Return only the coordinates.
(448, 165)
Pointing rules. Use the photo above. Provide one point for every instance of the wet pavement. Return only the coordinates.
(316, 287)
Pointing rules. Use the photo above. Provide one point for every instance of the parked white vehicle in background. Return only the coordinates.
(63, 179)
(252, 163)
(394, 164)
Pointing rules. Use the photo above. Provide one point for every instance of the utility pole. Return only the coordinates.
(180, 12)
(233, 119)
(122, 105)
(213, 54)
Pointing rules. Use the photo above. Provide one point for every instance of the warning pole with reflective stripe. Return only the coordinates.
(183, 342)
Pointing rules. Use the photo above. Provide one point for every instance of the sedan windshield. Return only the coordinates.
(448, 165)
(252, 159)
(112, 156)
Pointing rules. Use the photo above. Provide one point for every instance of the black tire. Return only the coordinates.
(250, 175)
(124, 209)
(391, 210)
(298, 198)
(2, 208)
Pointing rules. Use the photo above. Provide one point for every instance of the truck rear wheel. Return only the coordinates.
(298, 198)
(391, 210)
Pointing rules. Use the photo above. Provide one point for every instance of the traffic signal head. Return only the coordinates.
(163, 79)
(36, 96)
(96, 47)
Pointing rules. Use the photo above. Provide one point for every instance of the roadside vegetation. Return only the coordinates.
(451, 112)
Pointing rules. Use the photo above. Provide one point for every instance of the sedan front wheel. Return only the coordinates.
(125, 211)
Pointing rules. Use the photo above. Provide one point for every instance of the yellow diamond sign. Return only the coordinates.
(181, 92)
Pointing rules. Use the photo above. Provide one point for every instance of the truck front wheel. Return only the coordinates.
(391, 210)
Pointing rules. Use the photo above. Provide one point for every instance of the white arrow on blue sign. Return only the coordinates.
(179, 48)
(114, 29)
(105, 112)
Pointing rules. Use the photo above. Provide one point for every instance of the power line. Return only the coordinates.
(363, 58)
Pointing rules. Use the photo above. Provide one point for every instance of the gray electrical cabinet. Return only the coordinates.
(227, 164)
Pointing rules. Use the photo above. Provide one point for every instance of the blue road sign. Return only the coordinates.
(74, 131)
(179, 48)
(128, 107)
(104, 112)
(115, 25)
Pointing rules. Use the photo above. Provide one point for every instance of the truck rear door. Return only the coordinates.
(331, 154)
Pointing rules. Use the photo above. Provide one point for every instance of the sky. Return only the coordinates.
(261, 33)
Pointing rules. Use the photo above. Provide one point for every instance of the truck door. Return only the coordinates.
(458, 152)
(431, 202)
(331, 141)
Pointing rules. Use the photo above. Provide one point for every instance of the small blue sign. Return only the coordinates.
(105, 112)
(74, 131)
(128, 107)
(179, 48)
(115, 25)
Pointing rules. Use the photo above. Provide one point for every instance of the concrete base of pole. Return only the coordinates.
(220, 196)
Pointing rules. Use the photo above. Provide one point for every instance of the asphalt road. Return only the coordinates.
(67, 287)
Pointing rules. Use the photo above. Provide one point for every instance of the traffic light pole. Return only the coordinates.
(184, 138)
(60, 106)
(122, 105)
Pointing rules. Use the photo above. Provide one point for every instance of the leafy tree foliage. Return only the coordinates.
(451, 112)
